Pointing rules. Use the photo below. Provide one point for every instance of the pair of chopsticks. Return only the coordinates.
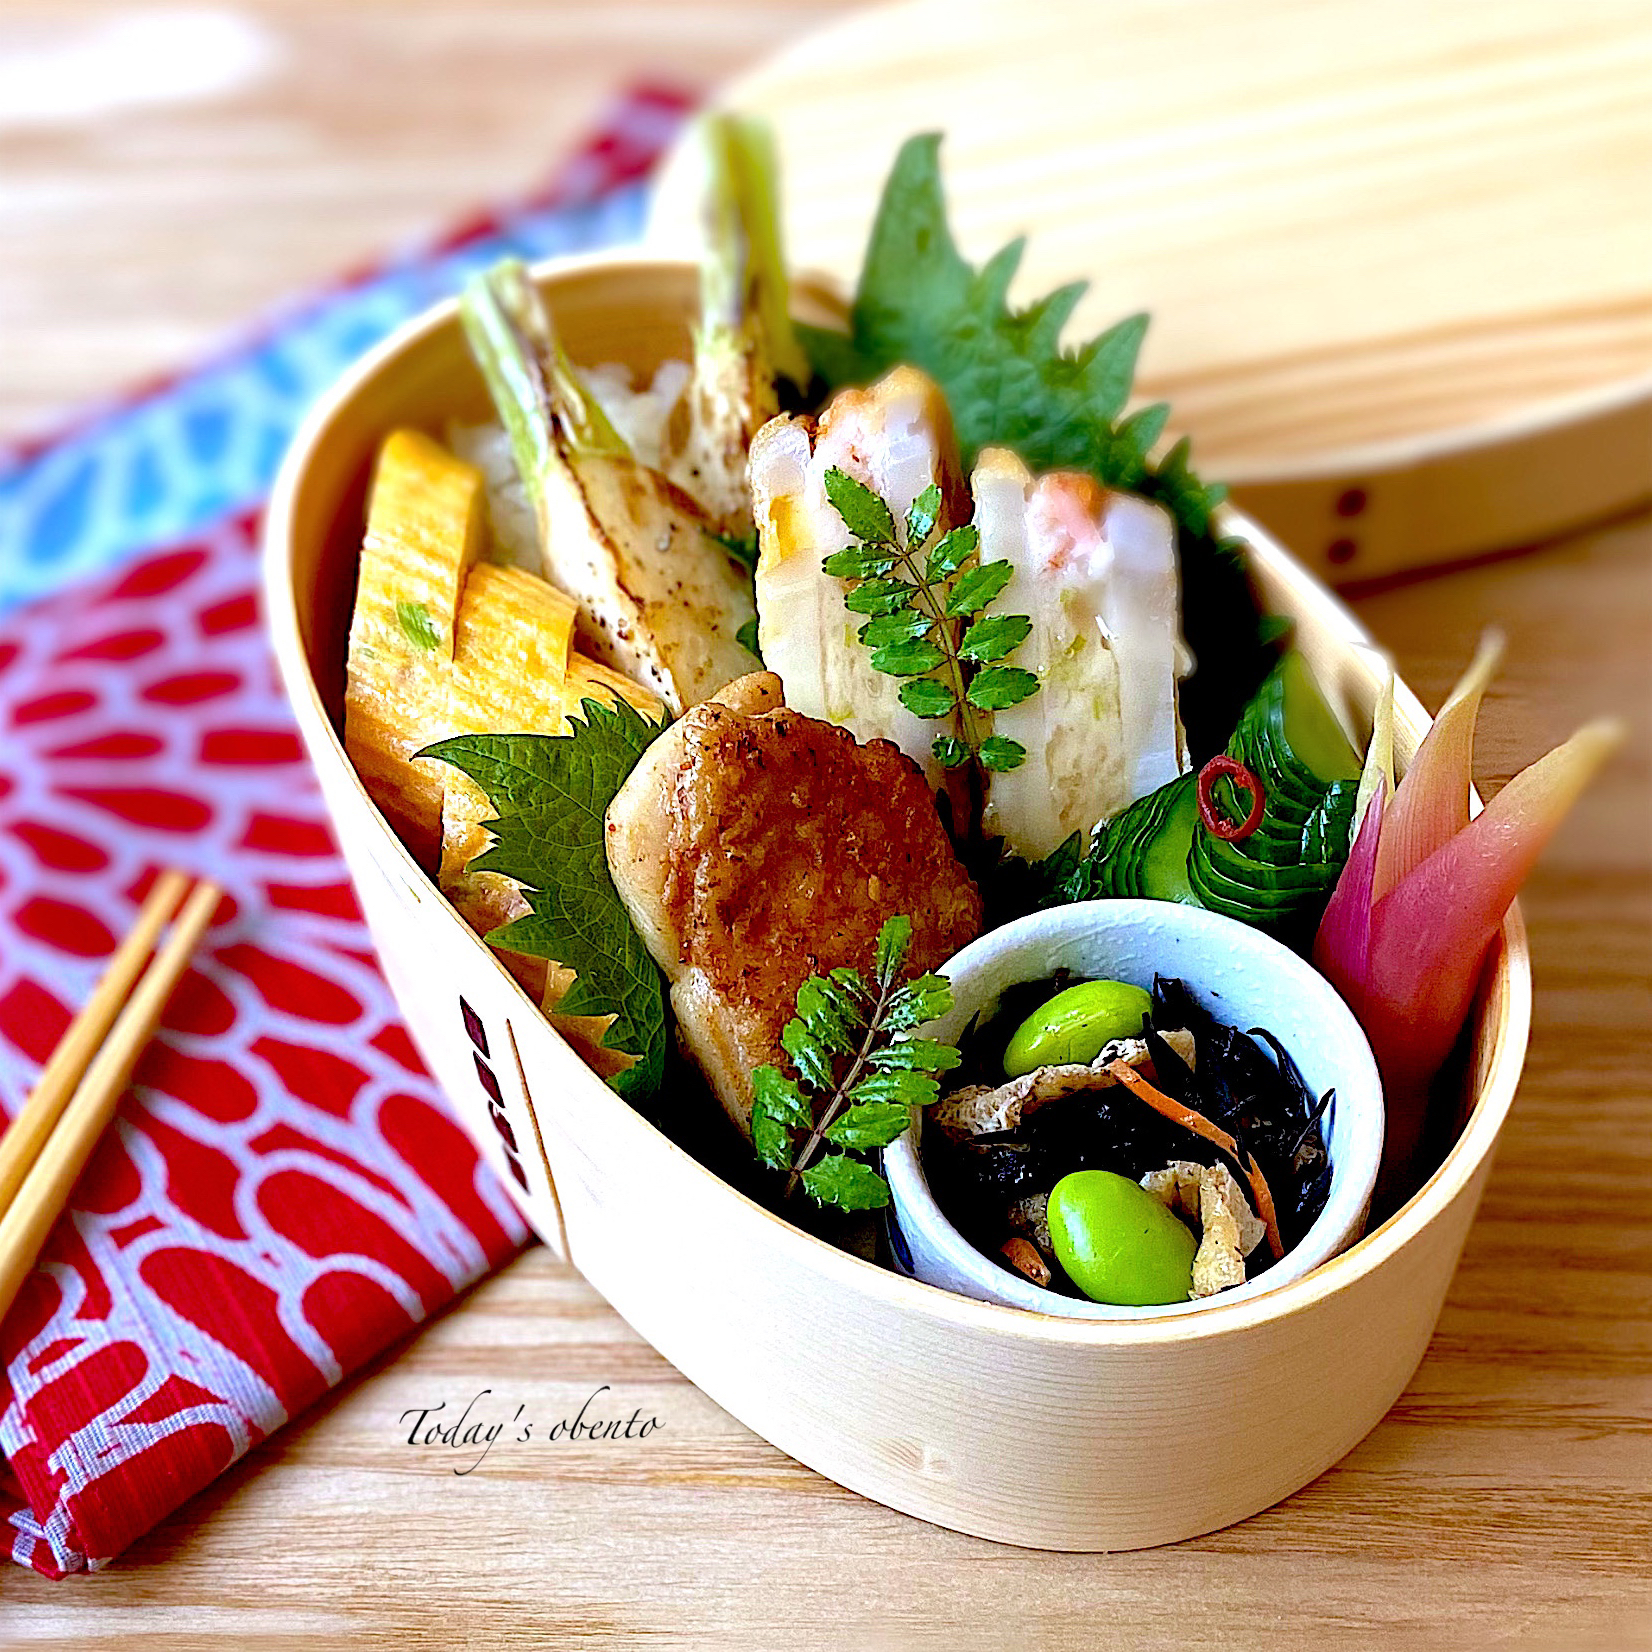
(47, 1145)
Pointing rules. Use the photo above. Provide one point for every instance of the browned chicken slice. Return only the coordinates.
(755, 847)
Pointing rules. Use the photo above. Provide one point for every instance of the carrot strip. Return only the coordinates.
(1213, 1133)
(1263, 1194)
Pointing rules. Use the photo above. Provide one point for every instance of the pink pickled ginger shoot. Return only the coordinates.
(1425, 891)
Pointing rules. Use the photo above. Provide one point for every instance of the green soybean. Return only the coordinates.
(1117, 1243)
(1075, 1024)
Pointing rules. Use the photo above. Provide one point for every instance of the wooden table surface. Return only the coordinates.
(1507, 1500)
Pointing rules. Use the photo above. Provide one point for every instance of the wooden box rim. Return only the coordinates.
(1506, 989)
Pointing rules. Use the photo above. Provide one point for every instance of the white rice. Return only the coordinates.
(640, 417)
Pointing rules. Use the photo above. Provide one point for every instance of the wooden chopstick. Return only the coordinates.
(27, 1133)
(51, 1178)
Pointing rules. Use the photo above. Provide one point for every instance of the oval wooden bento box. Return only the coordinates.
(1055, 1433)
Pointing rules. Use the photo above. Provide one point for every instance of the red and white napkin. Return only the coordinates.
(284, 1192)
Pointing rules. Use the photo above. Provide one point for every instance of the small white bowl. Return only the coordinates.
(1244, 978)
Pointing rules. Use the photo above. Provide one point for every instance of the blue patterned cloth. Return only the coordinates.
(173, 461)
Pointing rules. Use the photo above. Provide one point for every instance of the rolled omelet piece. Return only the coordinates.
(425, 530)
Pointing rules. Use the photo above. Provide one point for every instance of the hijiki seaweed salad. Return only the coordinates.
(1094, 1111)
(729, 703)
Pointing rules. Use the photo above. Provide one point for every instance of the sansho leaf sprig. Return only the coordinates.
(926, 601)
(856, 1081)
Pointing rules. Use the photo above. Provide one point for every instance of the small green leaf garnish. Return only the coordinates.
(870, 1124)
(925, 697)
(864, 514)
(921, 519)
(916, 590)
(856, 1084)
(992, 639)
(848, 1183)
(417, 626)
(746, 636)
(1000, 686)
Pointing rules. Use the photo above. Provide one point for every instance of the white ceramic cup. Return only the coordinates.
(1244, 978)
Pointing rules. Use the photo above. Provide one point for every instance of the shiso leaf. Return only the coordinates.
(549, 794)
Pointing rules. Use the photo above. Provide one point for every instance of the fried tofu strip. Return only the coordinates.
(754, 847)
(424, 531)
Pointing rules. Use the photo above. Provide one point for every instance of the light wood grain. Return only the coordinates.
(1504, 1500)
(1399, 249)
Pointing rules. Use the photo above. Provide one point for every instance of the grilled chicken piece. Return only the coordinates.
(897, 438)
(755, 847)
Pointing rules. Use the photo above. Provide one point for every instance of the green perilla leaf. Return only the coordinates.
(871, 1124)
(977, 588)
(994, 637)
(550, 793)
(1001, 686)
(845, 1182)
(864, 514)
(928, 697)
(949, 751)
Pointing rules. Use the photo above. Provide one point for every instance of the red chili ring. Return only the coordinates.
(1217, 823)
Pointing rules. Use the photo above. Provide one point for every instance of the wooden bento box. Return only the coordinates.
(1050, 1432)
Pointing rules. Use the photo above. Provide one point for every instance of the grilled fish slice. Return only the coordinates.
(755, 847)
(1096, 571)
(897, 438)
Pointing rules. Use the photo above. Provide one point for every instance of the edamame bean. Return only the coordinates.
(1075, 1024)
(1118, 1243)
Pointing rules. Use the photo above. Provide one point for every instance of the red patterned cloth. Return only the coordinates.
(284, 1192)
